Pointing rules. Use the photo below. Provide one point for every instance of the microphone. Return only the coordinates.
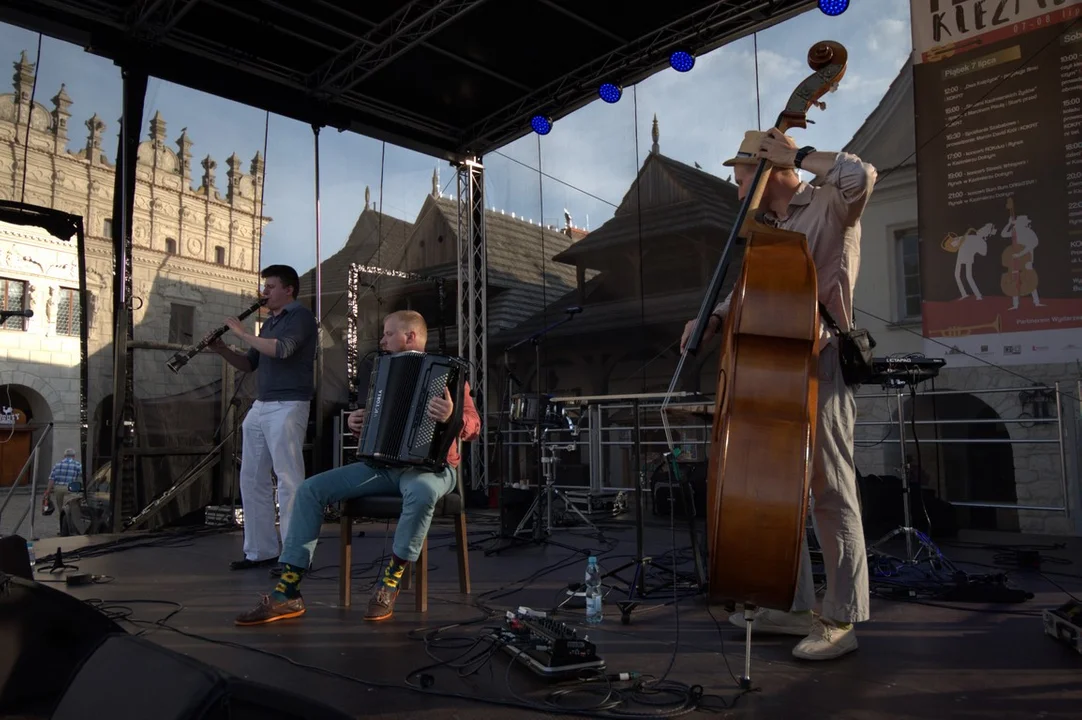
(17, 313)
(573, 310)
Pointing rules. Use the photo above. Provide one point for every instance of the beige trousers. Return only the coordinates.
(836, 510)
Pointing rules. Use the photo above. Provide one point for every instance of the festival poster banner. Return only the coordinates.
(998, 102)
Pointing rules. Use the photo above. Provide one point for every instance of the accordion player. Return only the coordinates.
(398, 431)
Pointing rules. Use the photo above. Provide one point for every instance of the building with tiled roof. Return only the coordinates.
(650, 272)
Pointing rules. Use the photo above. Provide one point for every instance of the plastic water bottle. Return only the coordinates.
(593, 591)
(30, 552)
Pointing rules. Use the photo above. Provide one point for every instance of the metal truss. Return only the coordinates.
(163, 32)
(352, 318)
(170, 15)
(699, 32)
(439, 282)
(411, 25)
(473, 304)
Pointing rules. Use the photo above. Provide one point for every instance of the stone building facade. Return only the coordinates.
(195, 261)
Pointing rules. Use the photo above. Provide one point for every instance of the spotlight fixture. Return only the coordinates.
(610, 93)
(682, 61)
(541, 124)
(833, 8)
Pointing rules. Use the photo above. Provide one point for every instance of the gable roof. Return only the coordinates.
(674, 195)
(888, 137)
(519, 258)
(376, 239)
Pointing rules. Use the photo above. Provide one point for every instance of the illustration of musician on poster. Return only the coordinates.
(1001, 258)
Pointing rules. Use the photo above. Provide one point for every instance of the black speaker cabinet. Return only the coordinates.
(131, 678)
(14, 557)
(45, 634)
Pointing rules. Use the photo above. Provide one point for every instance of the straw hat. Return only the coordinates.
(746, 154)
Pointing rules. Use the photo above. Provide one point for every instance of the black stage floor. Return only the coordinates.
(916, 660)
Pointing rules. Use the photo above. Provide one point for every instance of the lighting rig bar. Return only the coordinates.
(158, 31)
(698, 33)
(414, 23)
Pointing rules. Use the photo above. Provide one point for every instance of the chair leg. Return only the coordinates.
(422, 579)
(345, 561)
(463, 554)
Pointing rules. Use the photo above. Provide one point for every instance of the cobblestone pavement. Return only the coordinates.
(44, 527)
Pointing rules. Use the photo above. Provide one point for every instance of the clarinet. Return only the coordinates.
(182, 358)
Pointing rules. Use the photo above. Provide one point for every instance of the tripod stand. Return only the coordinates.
(548, 469)
(534, 513)
(926, 550)
(642, 561)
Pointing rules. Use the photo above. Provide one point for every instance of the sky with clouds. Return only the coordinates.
(590, 157)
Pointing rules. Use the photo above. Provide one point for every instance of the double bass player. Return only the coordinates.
(829, 216)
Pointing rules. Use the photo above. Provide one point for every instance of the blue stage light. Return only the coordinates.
(541, 125)
(833, 7)
(682, 61)
(610, 93)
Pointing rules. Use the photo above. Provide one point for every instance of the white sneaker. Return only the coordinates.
(776, 621)
(826, 642)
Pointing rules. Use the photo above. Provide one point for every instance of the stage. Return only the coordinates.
(915, 660)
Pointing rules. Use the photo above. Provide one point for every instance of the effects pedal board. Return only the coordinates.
(1065, 624)
(549, 647)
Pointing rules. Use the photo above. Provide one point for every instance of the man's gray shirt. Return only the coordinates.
(289, 374)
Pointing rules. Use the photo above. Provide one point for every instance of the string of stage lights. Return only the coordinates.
(680, 61)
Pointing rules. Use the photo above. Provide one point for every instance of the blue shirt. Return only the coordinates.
(65, 472)
(289, 374)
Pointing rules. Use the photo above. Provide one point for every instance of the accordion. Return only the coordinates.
(397, 430)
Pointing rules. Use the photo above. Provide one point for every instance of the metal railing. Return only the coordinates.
(588, 429)
(900, 420)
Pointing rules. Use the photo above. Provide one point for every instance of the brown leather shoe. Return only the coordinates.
(270, 610)
(381, 606)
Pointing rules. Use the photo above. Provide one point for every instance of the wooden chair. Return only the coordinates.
(389, 507)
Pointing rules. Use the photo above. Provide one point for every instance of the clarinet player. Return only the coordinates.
(420, 490)
(283, 356)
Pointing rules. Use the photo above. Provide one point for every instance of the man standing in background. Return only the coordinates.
(64, 473)
(283, 355)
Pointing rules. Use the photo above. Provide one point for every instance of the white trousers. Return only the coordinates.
(273, 440)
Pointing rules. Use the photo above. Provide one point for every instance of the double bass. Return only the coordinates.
(766, 407)
(1018, 280)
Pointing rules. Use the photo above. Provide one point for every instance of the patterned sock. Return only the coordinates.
(394, 572)
(288, 585)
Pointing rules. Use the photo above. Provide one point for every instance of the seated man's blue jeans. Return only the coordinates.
(420, 490)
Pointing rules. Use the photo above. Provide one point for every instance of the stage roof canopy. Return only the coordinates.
(451, 78)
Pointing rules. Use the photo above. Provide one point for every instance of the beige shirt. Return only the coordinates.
(829, 216)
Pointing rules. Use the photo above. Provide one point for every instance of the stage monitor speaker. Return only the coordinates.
(131, 678)
(45, 634)
(14, 557)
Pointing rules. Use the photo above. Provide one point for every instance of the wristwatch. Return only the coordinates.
(801, 154)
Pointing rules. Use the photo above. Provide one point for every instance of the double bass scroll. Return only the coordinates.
(766, 405)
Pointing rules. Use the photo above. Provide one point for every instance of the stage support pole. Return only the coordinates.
(317, 443)
(473, 306)
(122, 469)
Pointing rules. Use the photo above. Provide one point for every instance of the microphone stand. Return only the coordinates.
(535, 509)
